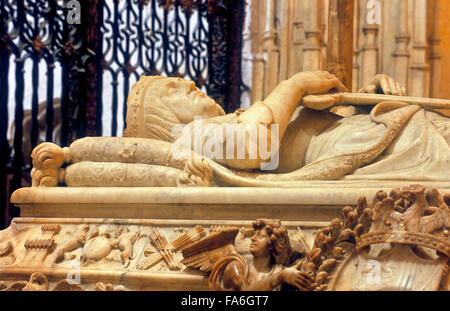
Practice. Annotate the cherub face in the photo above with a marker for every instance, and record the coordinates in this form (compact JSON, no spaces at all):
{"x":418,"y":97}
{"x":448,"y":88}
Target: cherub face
{"x":260,"y":243}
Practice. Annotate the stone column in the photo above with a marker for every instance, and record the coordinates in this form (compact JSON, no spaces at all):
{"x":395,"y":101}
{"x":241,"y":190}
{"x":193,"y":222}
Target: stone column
{"x":256,"y":35}
{"x":435,"y":56}
{"x":369,"y":54}
{"x":298,"y":36}
{"x":285,"y":29}
{"x":402,"y":39}
{"x":311,"y":49}
{"x":271,"y":51}
{"x":356,"y":67}
{"x":419,"y":68}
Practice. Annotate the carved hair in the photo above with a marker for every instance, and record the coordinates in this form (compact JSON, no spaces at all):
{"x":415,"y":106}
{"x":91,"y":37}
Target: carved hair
{"x":280,"y":246}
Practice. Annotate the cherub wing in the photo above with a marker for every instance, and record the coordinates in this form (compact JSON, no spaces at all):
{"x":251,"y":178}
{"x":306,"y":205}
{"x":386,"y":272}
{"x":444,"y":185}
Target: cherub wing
{"x":205,"y":253}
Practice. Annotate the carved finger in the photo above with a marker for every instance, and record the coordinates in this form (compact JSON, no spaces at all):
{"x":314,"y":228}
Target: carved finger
{"x":304,"y":278}
{"x":384,"y":83}
{"x":371,"y":89}
{"x":299,"y":281}
{"x":393,"y":86}
{"x":302,"y":283}
{"x":301,"y":286}
{"x":339,"y":85}
{"x":400,"y":89}
{"x":404,"y":91}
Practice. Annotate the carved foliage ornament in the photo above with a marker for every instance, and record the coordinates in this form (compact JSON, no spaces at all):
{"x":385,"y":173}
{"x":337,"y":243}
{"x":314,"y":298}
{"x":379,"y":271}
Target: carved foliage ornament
{"x":398,"y":241}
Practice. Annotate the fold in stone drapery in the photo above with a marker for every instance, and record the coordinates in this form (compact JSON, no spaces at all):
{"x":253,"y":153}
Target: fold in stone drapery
{"x":420,"y":152}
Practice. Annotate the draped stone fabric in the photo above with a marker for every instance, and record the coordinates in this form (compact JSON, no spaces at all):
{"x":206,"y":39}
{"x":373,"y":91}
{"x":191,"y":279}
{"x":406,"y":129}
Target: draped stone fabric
{"x":420,"y":152}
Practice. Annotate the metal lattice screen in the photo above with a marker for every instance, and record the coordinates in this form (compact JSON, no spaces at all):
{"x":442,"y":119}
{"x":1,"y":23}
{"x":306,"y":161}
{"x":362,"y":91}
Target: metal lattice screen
{"x":61,"y":80}
{"x":151,"y":39}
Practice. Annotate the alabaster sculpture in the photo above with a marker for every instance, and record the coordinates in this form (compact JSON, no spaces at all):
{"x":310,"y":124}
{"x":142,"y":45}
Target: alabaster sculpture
{"x":268,"y":269}
{"x":177,"y":136}
{"x":396,"y":241}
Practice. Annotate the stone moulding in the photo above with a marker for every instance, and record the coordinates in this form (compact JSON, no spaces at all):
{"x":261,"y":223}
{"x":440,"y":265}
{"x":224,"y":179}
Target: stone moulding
{"x":395,"y":241}
{"x":110,"y":270}
{"x":316,"y":201}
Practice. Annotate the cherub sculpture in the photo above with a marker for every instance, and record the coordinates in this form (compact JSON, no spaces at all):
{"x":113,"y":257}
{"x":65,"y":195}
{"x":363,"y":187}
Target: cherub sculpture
{"x":269,"y":268}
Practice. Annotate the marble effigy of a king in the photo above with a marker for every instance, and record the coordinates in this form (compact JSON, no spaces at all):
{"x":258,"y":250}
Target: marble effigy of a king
{"x":178,"y":136}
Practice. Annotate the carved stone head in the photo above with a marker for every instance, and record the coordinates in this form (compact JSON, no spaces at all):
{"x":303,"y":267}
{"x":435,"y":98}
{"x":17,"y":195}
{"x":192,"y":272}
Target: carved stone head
{"x":278,"y":244}
{"x":157,"y":104}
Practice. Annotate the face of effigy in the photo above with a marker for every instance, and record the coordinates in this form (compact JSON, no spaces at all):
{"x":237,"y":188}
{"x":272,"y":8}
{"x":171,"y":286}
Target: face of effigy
{"x":186,"y":100}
